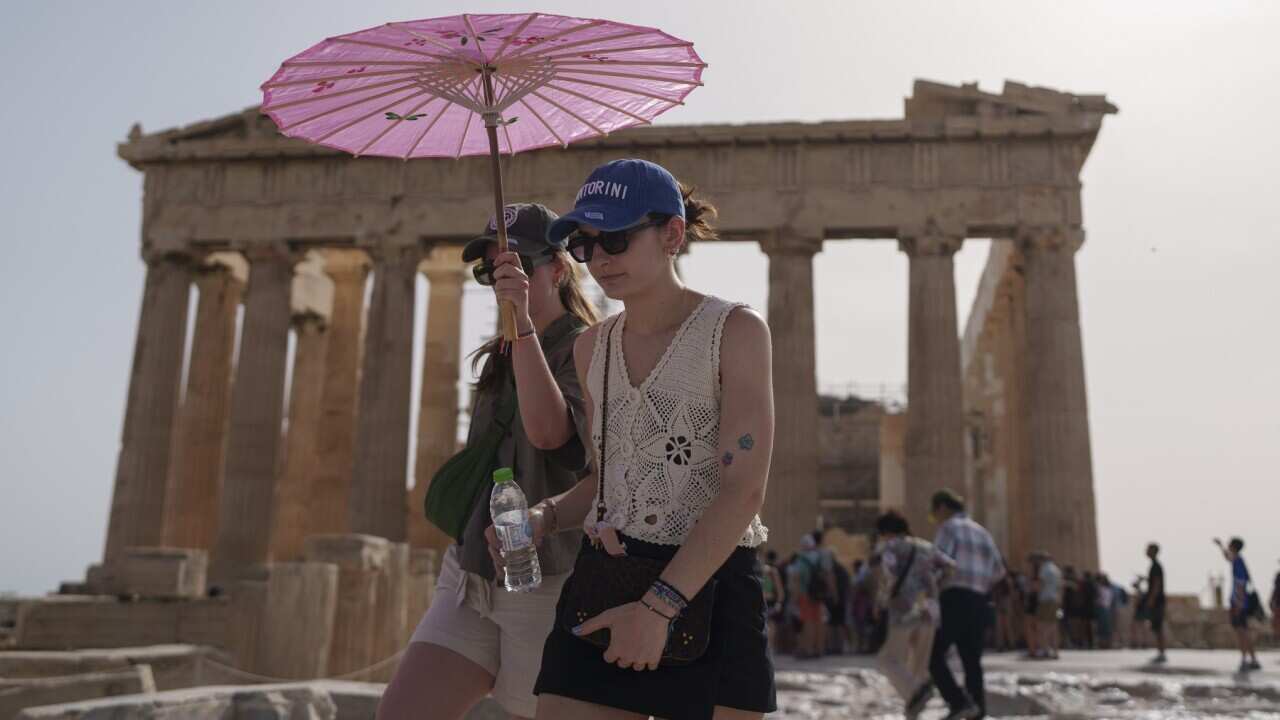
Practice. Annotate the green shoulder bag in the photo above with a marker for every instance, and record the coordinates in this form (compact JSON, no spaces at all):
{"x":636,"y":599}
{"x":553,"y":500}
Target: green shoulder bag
{"x":458,"y":483}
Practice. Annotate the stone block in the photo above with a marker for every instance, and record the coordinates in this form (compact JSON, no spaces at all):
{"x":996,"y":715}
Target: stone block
{"x":361,"y":561}
{"x":68,"y":622}
{"x":294,"y":701}
{"x":393,"y":609}
{"x":1182,"y":608}
{"x":33,"y":692}
{"x":172,"y":666}
{"x":162,"y":572}
{"x":283,"y":619}
{"x":422,"y":583}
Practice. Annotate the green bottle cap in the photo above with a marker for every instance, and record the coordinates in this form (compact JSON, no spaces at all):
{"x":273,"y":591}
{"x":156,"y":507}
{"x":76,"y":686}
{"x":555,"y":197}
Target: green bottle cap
{"x":502,"y":475}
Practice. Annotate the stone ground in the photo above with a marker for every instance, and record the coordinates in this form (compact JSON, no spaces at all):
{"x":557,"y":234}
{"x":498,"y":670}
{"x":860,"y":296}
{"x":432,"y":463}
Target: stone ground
{"x":1195,"y":684}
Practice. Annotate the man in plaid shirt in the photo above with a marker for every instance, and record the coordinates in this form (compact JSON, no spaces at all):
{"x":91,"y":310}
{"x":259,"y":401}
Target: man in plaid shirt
{"x":964,"y":600}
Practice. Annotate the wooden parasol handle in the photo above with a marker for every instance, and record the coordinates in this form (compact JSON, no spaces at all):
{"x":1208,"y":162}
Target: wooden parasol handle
{"x":506,"y":310}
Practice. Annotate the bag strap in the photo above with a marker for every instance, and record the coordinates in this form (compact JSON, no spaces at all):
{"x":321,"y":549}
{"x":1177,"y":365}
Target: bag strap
{"x":897,"y":584}
{"x":604,"y":424}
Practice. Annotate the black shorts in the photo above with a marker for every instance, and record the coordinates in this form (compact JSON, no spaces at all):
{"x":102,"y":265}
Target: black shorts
{"x":736,"y":671}
{"x":1155,"y":616}
{"x":1239,"y":618}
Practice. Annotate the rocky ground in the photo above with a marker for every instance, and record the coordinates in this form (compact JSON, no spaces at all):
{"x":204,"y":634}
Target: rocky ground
{"x":1195,"y":684}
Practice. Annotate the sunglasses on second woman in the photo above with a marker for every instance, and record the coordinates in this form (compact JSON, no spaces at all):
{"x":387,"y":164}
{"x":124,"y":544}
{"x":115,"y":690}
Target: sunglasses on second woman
{"x":483,"y":270}
{"x":615,"y":242}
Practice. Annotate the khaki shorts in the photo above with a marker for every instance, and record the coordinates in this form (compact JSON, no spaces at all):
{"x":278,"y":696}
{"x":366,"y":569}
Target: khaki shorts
{"x":1047,"y":611}
{"x":500,"y":631}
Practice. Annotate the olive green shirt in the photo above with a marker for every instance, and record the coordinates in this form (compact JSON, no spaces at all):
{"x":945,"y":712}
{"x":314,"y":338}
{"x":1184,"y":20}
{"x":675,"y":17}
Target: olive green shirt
{"x":539,"y":473}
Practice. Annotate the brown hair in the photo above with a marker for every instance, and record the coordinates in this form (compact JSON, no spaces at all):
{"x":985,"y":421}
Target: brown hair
{"x":698,"y":213}
{"x":492,"y":366}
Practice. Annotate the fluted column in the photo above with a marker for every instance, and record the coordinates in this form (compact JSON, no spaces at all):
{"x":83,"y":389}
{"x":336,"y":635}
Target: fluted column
{"x":138,"y":498}
{"x":290,"y":525}
{"x":312,"y":301}
{"x":335,"y":437}
{"x":257,"y":409}
{"x":1061,"y":489}
{"x":378,"y":495}
{"x":935,"y":405}
{"x":195,"y":475}
{"x":1011,"y":367}
{"x":438,"y":411}
{"x":791,"y":503}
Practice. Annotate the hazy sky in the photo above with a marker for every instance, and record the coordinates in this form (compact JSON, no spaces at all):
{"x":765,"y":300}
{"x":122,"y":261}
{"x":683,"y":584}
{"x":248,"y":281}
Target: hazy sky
{"x":1178,"y":277}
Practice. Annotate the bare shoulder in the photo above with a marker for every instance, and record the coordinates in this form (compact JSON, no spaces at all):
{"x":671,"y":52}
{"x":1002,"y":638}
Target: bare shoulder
{"x":745,"y":333}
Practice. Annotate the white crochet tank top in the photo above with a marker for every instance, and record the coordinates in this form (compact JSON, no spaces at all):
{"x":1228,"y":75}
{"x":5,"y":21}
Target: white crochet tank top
{"x":663,"y":466}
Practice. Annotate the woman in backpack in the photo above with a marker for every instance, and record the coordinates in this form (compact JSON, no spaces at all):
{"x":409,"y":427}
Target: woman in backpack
{"x":478,"y":639}
{"x":679,"y":390}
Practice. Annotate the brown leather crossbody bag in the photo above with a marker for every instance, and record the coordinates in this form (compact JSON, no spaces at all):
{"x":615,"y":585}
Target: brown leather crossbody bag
{"x":601,"y":581}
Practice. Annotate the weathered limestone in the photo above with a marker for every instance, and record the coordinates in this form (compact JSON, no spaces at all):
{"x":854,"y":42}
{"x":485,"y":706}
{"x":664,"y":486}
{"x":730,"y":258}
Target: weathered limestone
{"x":893,"y":475}
{"x":335,"y":439}
{"x":229,"y":702}
{"x":378,"y":483}
{"x":1061,"y":465}
{"x":257,"y":400}
{"x":162,"y":572}
{"x":283,"y":619}
{"x":393,"y":621}
{"x":172,"y":666}
{"x":199,"y":454}
{"x":422,"y":584}
{"x":138,"y":500}
{"x":791,"y":503}
{"x":934,"y":439}
{"x":362,"y":560}
{"x":312,"y":303}
{"x":16,"y":695}
{"x":64,"y":623}
{"x":438,"y":413}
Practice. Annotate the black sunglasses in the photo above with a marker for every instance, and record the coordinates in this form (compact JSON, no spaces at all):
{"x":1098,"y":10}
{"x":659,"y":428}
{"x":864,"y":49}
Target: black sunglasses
{"x":483,"y":270}
{"x":615,"y":242}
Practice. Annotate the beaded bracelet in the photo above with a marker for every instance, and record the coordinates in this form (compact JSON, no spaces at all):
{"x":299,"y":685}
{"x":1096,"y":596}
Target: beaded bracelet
{"x":669,"y":595}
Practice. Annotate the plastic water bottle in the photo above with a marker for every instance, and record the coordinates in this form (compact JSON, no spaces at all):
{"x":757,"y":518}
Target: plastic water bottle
{"x":510,"y":513}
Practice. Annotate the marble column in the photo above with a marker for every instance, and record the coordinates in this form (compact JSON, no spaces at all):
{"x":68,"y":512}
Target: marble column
{"x":935,"y":410}
{"x":293,"y":494}
{"x":438,"y":410}
{"x":791,"y":503}
{"x":142,"y":469}
{"x":195,"y":477}
{"x":1064,"y":520}
{"x":257,"y":410}
{"x":312,"y":302}
{"x":378,"y":481}
{"x":335,"y":437}
{"x":1009,"y":349}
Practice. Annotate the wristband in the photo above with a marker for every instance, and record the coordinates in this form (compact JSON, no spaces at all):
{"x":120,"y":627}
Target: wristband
{"x":669,"y":595}
{"x":552,"y":526}
{"x":656,"y":611}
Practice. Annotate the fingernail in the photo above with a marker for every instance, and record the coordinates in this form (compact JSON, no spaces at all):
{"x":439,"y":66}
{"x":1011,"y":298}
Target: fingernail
{"x":577,"y":630}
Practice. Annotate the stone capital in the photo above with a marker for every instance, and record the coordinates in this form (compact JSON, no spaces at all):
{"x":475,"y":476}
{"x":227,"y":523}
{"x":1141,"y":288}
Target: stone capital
{"x":443,"y":264}
{"x":785,"y":241}
{"x":1049,"y":237}
{"x":181,"y":258}
{"x":930,"y":245}
{"x":271,"y":251}
{"x":392,"y":253}
{"x":232,"y":263}
{"x":345,"y":265}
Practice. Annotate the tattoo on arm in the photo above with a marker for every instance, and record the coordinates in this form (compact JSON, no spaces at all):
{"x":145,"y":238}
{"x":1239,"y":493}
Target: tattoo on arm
{"x":727,"y":459}
{"x":746,"y":442}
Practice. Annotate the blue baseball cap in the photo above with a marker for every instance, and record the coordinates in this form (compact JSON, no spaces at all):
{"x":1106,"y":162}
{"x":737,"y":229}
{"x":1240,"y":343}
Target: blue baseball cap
{"x":619,"y":195}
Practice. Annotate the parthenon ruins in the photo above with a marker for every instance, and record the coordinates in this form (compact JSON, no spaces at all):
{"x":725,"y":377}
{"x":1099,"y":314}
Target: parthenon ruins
{"x":290,"y":233}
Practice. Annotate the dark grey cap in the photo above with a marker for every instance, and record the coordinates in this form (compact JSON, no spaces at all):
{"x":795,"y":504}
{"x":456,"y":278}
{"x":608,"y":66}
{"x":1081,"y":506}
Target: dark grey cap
{"x":527,"y":225}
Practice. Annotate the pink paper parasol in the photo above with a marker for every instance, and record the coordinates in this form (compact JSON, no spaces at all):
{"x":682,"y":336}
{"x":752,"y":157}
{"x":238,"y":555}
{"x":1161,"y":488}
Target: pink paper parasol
{"x":477,"y":84}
